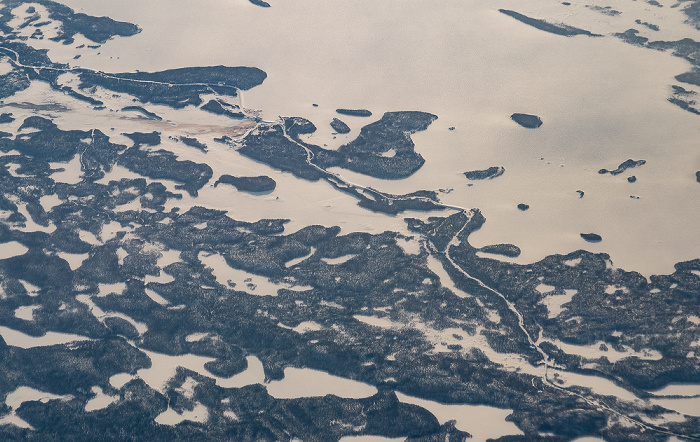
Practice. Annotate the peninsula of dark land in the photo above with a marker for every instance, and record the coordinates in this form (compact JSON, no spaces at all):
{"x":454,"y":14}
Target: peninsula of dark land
{"x":509,"y":250}
{"x":628,"y":164}
{"x":565,"y":30}
{"x":219,"y":107}
{"x":142,"y":111}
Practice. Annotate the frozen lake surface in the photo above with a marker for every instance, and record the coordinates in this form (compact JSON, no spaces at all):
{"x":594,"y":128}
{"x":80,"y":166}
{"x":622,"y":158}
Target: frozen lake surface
{"x":473,"y":77}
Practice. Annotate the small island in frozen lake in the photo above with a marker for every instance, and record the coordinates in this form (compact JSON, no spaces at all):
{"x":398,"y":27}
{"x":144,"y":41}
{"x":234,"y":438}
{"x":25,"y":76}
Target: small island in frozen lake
{"x":490,"y":173}
{"x":527,"y":120}
{"x":248,"y":184}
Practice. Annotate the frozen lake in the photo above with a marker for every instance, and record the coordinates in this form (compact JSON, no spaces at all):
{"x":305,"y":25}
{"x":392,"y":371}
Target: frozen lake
{"x":598,"y":98}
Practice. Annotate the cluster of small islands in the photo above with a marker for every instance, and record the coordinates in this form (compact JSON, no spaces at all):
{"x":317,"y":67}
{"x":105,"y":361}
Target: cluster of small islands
{"x":360,"y":306}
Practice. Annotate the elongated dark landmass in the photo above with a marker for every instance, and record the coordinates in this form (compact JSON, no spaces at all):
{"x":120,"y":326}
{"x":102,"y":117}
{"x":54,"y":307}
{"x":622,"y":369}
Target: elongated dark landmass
{"x":527,"y":120}
{"x":684,"y":98}
{"x":355,"y":112}
{"x":628,"y":164}
{"x":217,"y":107}
{"x":143,"y":111}
{"x":490,"y":173}
{"x":697,"y":176}
{"x":142,"y":138}
{"x":97,"y":29}
{"x":591,"y":237}
{"x":260,"y":3}
{"x":163,"y":164}
{"x":685,"y":104}
{"x":177,"y":87}
{"x":509,"y":250}
{"x":523,"y":207}
{"x":248,"y":183}
{"x":193,"y":142}
{"x":651,"y":26}
{"x":339,"y":126}
{"x":692,"y":11}
{"x":565,"y":30}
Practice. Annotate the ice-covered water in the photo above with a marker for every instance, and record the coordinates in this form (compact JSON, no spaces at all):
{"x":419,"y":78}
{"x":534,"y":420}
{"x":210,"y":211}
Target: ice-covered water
{"x":601,"y":100}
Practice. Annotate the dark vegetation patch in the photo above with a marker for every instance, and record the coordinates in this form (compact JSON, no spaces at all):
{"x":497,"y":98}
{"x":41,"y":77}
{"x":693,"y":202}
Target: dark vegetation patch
{"x":686,"y":48}
{"x":383,"y":149}
{"x":97,"y":29}
{"x":591,"y":237}
{"x":193,"y":142}
{"x":628,"y":164}
{"x":527,"y":120}
{"x":380,"y":280}
{"x":147,"y":139}
{"x":162,"y":164}
{"x":684,"y":99}
{"x":220,"y":107}
{"x":645,"y":308}
{"x":143,"y":111}
{"x":692,"y":11}
{"x":648,"y":25}
{"x":509,"y":250}
{"x":490,"y":173}
{"x":558,"y":29}
{"x":248,"y":184}
{"x":355,"y":112}
{"x":606,"y":10}
{"x":176,"y":87}
{"x":339,"y":126}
